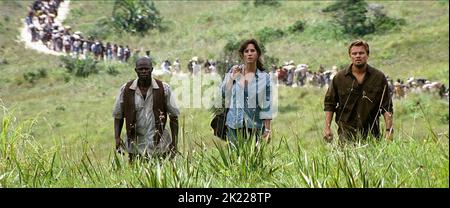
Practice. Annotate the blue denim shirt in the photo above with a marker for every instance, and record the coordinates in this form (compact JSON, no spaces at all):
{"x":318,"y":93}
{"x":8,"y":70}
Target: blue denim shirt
{"x":248,"y":106}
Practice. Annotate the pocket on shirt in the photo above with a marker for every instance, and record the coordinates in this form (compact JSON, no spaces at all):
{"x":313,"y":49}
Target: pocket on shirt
{"x":372,"y":96}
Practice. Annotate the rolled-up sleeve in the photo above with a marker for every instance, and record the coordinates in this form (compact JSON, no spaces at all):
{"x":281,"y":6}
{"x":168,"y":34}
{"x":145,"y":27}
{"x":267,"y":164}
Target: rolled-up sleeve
{"x":117,"y":109}
{"x":171,"y":104}
{"x":331,"y":99}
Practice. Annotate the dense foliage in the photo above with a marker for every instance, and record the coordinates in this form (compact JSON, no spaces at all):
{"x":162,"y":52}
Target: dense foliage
{"x":135,"y":16}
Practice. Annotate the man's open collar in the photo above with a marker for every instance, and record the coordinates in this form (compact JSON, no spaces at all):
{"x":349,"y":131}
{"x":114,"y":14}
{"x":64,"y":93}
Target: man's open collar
{"x":349,"y":70}
{"x":133,"y":86}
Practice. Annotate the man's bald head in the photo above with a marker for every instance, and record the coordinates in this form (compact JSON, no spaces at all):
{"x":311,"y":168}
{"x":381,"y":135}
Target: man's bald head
{"x":144,"y":62}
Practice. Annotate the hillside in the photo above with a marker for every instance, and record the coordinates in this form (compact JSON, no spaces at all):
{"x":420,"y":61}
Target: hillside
{"x":203,"y":29}
{"x":71,"y":114}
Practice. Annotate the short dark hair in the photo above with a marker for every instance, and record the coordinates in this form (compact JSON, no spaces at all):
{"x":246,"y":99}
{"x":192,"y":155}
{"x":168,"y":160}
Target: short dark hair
{"x":359,"y":43}
{"x":145,"y":60}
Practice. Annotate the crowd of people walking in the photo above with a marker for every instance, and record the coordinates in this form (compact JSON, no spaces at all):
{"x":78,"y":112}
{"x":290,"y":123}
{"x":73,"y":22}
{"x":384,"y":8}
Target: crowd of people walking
{"x":41,"y":24}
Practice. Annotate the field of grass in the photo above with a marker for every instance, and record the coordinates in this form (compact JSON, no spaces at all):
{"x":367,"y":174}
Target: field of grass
{"x":58,"y":130}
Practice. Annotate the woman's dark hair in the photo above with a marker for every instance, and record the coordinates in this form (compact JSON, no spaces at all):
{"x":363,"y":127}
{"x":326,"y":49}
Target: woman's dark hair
{"x":244,"y":45}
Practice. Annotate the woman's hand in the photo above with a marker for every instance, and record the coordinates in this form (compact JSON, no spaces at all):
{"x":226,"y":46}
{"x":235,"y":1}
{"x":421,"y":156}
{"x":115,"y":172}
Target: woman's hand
{"x":236,"y":71}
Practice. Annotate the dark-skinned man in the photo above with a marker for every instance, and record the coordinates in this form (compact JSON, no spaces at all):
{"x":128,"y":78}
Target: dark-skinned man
{"x":145,"y":104}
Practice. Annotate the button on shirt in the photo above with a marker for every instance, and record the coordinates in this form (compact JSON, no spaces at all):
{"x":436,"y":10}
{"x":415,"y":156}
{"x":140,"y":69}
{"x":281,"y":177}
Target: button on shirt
{"x":145,"y":122}
{"x":248,"y":106}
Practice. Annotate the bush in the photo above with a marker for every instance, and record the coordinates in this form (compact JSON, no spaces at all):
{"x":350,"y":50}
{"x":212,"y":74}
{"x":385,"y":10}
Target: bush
{"x":266,"y":3}
{"x":135,"y":16}
{"x":268,"y":34}
{"x":32,"y":76}
{"x":351,"y":15}
{"x":81,"y":68}
{"x":111,"y":70}
{"x":298,"y":26}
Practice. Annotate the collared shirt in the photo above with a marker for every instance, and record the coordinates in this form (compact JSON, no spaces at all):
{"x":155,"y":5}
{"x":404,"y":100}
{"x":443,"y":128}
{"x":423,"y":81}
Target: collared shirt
{"x":145,"y":122}
{"x":248,"y":106}
{"x":359,"y":105}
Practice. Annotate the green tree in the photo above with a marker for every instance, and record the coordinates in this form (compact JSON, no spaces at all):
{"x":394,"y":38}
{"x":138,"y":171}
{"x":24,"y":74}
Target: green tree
{"x":135,"y":16}
{"x":358,"y":18}
{"x":351,"y":15}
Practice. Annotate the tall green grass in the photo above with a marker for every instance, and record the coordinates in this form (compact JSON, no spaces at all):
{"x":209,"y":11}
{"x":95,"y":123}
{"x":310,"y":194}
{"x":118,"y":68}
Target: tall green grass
{"x":405,"y":162}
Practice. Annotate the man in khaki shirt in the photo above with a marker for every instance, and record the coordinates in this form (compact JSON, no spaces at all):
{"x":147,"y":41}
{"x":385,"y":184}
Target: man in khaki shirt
{"x":358,"y":96}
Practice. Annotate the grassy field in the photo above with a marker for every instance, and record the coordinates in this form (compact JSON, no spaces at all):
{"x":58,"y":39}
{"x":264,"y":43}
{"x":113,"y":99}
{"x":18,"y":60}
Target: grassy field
{"x":58,"y":130}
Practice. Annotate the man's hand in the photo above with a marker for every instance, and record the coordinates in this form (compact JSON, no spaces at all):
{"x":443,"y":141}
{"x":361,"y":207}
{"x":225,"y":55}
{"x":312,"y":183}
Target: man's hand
{"x":119,"y":143}
{"x":388,"y":134}
{"x":328,"y":135}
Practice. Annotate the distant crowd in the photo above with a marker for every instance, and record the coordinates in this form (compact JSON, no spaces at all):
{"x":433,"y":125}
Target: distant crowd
{"x":300,"y":75}
{"x":42,"y":26}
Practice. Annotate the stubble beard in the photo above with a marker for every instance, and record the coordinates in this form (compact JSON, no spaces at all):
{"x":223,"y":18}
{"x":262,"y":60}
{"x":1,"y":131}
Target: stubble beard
{"x":360,"y":66}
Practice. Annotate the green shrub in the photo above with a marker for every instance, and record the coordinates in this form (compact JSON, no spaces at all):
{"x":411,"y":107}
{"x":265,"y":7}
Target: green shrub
{"x":268,"y":34}
{"x":298,"y":26}
{"x":32,"y":76}
{"x":266,"y":3}
{"x":135,"y":16}
{"x":111,"y":70}
{"x":66,"y":78}
{"x":81,"y":68}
